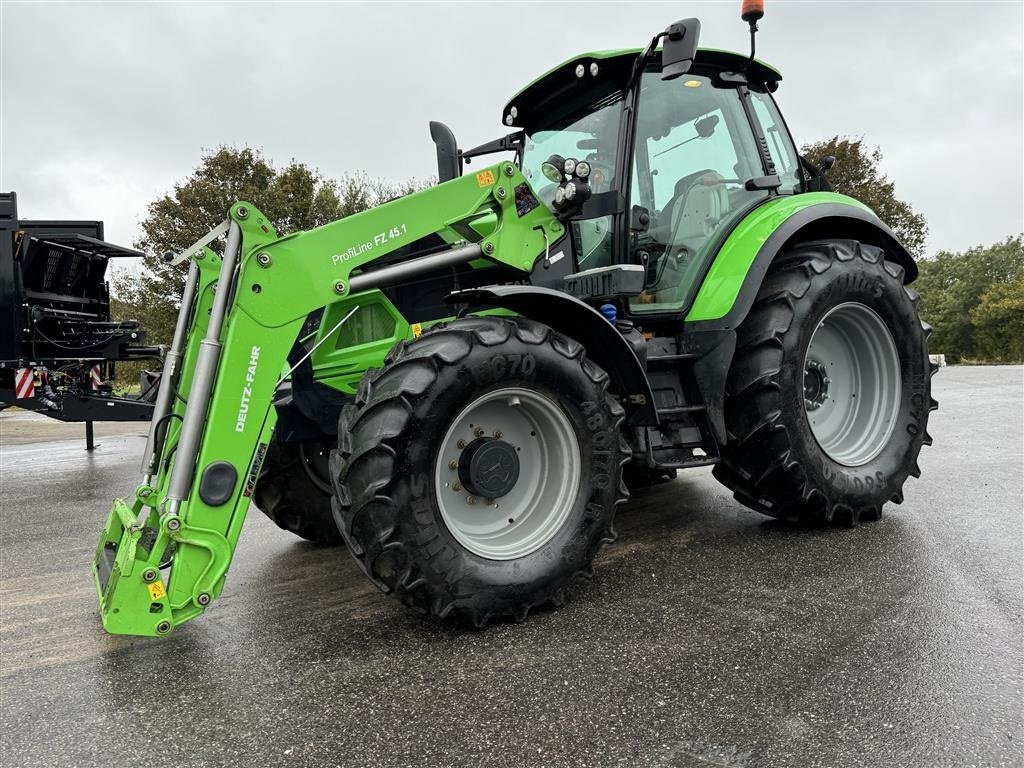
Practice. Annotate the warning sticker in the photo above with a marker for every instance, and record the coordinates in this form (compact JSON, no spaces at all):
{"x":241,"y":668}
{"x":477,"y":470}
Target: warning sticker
{"x":525,"y":201}
{"x":485,"y":178}
{"x":417,"y":330}
{"x":156,"y":590}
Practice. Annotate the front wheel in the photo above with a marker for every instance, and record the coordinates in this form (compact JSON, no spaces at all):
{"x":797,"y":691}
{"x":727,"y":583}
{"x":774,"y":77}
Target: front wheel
{"x":829,"y":391}
{"x":294,"y":490}
{"x":478,"y":471}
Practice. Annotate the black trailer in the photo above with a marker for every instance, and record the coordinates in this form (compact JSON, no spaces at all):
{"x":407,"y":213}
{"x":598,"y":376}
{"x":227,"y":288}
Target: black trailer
{"x":58,"y":345}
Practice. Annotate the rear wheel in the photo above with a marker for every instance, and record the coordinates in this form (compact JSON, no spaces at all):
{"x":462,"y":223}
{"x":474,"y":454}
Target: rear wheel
{"x":829,"y":391}
{"x":478,"y":471}
{"x":294,"y":490}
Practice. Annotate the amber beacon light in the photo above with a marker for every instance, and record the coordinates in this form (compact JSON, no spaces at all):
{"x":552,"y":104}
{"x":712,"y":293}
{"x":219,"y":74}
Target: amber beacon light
{"x":752,"y":11}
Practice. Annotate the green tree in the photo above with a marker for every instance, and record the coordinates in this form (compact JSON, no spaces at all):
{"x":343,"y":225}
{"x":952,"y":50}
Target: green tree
{"x":952,"y":287}
{"x":295,"y":197}
{"x":857,"y":173}
{"x":998,"y":322}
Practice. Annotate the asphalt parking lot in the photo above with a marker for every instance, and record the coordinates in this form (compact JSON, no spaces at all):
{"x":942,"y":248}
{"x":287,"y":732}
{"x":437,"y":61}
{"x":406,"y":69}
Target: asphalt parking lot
{"x":710,"y":636}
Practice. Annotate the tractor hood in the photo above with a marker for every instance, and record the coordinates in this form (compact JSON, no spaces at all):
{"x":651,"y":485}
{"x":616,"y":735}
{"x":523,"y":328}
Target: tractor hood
{"x":613,"y":67}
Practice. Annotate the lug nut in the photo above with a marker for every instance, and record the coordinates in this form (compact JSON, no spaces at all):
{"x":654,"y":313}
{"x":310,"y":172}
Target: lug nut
{"x":456,"y":487}
{"x":461,"y":444}
{"x":149,"y":575}
{"x":471,"y":500}
{"x":453,"y":464}
{"x":478,"y":432}
{"x":497,"y":433}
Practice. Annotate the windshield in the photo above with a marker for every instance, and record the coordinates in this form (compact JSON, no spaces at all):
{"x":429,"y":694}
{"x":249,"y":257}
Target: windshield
{"x":588,"y":133}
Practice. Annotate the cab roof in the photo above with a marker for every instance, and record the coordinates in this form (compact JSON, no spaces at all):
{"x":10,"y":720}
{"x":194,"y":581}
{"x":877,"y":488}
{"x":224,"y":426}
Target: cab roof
{"x":614,"y":66}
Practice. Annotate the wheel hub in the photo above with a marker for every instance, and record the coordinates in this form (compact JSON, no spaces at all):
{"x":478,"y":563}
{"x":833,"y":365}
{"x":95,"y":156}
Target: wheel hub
{"x":816,"y":384}
{"x":489,"y":467}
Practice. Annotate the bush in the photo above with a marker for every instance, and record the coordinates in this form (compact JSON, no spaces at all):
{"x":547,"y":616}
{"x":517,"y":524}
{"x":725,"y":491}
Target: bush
{"x":998,"y":322}
{"x":954,"y":287}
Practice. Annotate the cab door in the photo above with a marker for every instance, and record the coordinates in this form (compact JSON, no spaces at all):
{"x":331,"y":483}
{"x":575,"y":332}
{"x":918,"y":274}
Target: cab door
{"x":693,"y":153}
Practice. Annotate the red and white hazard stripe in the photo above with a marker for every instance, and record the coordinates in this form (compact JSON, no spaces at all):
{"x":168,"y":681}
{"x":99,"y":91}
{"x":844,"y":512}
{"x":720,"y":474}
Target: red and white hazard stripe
{"x":24,"y":383}
{"x":95,"y":377}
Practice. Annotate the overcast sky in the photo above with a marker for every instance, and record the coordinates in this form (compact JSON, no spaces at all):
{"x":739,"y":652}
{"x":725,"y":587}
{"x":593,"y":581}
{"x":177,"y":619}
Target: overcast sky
{"x":105,"y":105}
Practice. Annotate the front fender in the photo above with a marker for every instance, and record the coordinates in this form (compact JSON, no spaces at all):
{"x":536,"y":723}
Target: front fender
{"x":568,"y":315}
{"x":734,"y":277}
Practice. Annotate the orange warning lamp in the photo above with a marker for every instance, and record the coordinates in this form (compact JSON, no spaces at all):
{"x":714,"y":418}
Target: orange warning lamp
{"x":752,"y":11}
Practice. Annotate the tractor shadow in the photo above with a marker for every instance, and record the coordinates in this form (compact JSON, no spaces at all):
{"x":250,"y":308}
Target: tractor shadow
{"x":686,"y":531}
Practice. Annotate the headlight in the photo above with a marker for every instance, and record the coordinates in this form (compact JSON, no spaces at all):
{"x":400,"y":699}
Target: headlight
{"x":582,"y":169}
{"x":552,"y":169}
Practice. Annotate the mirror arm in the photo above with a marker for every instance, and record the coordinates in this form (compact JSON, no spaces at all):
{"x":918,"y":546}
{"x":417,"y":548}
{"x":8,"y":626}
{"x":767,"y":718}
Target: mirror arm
{"x":512,"y":142}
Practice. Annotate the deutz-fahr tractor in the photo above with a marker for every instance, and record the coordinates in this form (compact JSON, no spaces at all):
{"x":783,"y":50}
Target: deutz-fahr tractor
{"x":461,"y":384}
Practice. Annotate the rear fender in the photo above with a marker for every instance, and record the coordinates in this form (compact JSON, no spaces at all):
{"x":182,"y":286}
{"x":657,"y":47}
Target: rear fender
{"x":735,"y":276}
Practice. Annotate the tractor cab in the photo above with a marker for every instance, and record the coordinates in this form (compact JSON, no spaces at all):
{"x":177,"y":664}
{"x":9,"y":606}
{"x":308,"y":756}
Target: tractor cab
{"x":668,"y":165}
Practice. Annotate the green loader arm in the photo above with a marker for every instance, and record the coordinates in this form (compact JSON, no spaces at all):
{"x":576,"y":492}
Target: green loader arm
{"x":164,"y":555}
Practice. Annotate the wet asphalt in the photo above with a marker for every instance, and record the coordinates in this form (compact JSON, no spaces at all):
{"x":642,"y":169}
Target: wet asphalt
{"x":710,"y":636}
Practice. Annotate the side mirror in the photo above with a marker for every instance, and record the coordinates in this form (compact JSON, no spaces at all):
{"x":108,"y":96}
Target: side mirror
{"x":679,"y":48}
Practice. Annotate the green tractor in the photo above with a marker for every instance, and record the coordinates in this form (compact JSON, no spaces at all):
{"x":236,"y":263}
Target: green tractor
{"x":461,"y":384}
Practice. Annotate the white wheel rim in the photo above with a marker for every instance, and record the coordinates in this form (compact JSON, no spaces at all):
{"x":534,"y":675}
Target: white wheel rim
{"x":852,"y":384}
{"x":550,"y":468}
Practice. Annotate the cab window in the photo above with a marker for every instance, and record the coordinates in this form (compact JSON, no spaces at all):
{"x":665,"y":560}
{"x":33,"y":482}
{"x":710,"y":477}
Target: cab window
{"x":587,"y":132}
{"x":694,"y":152}
{"x":779,"y":143}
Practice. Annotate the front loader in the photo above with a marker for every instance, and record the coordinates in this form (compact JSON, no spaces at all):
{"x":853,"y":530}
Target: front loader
{"x":458,"y":384}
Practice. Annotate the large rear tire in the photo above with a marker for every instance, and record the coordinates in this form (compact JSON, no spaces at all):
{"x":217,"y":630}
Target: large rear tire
{"x":829,"y":391}
{"x":294,"y":490}
{"x":478,"y":471}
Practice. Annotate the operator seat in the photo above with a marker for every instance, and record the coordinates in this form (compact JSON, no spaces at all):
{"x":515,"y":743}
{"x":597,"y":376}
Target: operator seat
{"x":700,"y":202}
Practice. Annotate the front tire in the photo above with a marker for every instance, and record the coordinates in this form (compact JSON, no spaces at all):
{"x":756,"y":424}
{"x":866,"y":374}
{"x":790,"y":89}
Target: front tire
{"x":294,"y":490}
{"x":832,"y":322}
{"x":478,"y":471}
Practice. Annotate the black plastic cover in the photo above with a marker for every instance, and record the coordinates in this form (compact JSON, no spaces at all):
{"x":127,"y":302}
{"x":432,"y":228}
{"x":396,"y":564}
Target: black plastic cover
{"x":218,"y":483}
